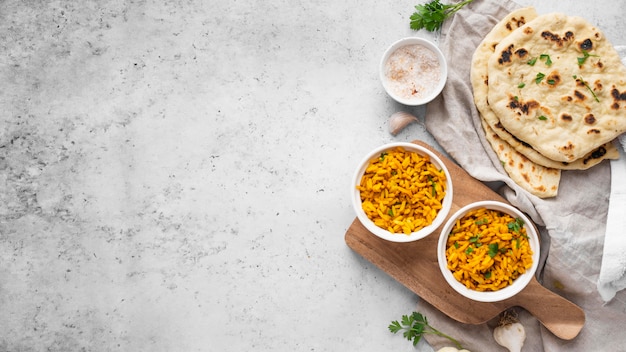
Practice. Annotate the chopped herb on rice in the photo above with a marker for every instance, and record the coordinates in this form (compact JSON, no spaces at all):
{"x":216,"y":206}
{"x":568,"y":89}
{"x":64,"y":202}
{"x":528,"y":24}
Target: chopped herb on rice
{"x":488,"y":249}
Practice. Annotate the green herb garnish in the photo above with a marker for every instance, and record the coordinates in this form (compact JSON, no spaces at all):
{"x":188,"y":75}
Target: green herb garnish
{"x":430,"y":16}
{"x":589,"y":88}
{"x":542,"y":118}
{"x":474,"y":239}
{"x":493,"y":250}
{"x":433,"y":186}
{"x":547,"y":58}
{"x":539,"y":77}
{"x":551,"y":82}
{"x":521,"y":85}
{"x":586,"y":55}
{"x":516,"y":226}
{"x":383,"y":155}
{"x":414,"y":326}
{"x":488,"y":275}
{"x":469,"y":250}
{"x":482,"y":221}
{"x":532,"y":61}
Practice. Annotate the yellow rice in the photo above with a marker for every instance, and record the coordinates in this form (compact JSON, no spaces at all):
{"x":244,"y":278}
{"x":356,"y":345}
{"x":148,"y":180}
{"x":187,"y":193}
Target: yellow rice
{"x":488,"y":249}
{"x":402,"y":191}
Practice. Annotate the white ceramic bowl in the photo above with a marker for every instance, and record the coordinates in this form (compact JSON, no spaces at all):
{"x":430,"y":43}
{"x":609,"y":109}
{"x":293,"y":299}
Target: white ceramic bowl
{"x":436,"y":87}
{"x":400,"y":237}
{"x":518,"y":284}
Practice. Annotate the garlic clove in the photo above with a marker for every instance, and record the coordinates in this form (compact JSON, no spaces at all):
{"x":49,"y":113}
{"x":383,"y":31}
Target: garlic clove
{"x":510,"y":333}
{"x":451,"y":349}
{"x":399,"y":120}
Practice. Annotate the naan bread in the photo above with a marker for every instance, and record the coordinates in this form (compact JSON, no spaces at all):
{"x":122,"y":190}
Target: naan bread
{"x":536,"y":179}
{"x":596,"y":156}
{"x":558,"y":115}
{"x":479,"y":79}
{"x":541,"y":181}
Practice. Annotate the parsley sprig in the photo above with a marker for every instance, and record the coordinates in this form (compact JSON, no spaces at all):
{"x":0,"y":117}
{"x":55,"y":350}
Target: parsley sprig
{"x":414,"y":326}
{"x":542,"y":57}
{"x":539,"y":77}
{"x":586,"y":55}
{"x":430,"y":16}
{"x":493,"y":250}
{"x":578,"y":78}
{"x":547,"y":59}
{"x":516,"y":226}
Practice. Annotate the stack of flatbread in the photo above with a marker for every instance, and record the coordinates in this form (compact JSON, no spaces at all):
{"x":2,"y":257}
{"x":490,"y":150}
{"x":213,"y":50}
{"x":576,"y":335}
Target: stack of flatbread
{"x":551,"y":93}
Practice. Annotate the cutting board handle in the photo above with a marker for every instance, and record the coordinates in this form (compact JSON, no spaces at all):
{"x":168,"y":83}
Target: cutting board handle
{"x":562,"y":317}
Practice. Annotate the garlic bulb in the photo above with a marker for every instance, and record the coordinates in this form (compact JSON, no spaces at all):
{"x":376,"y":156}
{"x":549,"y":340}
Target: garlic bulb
{"x":399,"y":120}
{"x":510,"y":333}
{"x":451,"y":349}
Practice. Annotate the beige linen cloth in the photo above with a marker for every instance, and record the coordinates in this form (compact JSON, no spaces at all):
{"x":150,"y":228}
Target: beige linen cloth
{"x":572,"y":225}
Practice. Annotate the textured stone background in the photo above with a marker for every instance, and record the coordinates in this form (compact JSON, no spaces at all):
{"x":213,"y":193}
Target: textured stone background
{"x":174,"y":175}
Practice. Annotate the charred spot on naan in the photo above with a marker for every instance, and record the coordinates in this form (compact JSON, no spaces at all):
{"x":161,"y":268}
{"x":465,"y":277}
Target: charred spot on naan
{"x":505,"y":55}
{"x":597,"y":85}
{"x":515,"y":22}
{"x":525,"y":107}
{"x":586,"y":45}
{"x":579,"y":95}
{"x":521,"y":53}
{"x":499,"y":125}
{"x":617,"y":98}
{"x":542,"y":188}
{"x":567,"y":150}
{"x":590,"y":120}
{"x":596,"y":154}
{"x":557,"y":39}
{"x":508,"y":54}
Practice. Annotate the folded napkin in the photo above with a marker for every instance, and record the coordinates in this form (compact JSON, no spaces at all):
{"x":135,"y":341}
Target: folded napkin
{"x":572,"y":225}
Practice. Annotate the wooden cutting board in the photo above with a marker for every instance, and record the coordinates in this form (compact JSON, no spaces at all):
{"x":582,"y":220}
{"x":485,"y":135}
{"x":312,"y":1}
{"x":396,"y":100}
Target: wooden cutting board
{"x":414,"y":265}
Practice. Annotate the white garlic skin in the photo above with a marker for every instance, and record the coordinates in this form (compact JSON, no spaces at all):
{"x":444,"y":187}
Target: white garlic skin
{"x":511,"y":336}
{"x":399,"y":120}
{"x":451,"y":349}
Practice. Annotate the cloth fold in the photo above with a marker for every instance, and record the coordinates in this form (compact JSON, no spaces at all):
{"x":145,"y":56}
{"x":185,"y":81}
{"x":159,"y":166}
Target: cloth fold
{"x":572,"y":225}
{"x":613,"y":270}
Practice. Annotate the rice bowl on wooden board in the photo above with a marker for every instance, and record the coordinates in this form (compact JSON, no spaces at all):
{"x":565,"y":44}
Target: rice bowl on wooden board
{"x":516,"y":285}
{"x":418,"y":196}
